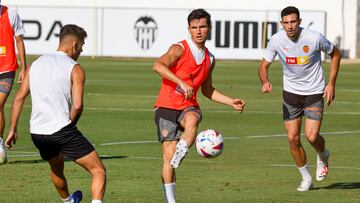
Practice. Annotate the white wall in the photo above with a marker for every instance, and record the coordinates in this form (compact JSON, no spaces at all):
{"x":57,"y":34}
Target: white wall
{"x":338,"y":23}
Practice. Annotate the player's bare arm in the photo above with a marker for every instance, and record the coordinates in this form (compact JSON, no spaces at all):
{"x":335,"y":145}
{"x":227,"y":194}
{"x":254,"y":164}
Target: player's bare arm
{"x":210,"y":92}
{"x":77,"y":93}
{"x":264,"y":76}
{"x":16,"y":109}
{"x":329,"y":91}
{"x":161,"y":66}
{"x":21,"y":51}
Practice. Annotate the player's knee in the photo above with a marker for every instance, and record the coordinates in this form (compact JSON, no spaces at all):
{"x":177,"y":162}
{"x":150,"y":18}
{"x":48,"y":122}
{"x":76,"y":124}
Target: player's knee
{"x":99,"y":172}
{"x":192,"y":120}
{"x":167,"y":158}
{"x":312,"y":138}
{"x":294,"y":139}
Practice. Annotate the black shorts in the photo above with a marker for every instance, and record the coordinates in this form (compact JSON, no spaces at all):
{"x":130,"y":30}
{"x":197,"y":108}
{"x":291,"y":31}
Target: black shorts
{"x":69,"y":141}
{"x":168,"y":122}
{"x":295,"y":106}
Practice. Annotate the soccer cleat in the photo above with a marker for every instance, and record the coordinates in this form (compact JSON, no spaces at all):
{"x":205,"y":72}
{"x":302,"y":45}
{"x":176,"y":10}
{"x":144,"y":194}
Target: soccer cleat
{"x":3,"y":158}
{"x":305,"y":185}
{"x":322,"y":168}
{"x":77,"y":196}
{"x":181,"y":151}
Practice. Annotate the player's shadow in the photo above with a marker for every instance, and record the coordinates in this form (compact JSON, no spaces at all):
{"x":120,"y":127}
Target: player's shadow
{"x":112,"y":157}
{"x":43,"y":161}
{"x":346,"y":185}
{"x":27,"y":161}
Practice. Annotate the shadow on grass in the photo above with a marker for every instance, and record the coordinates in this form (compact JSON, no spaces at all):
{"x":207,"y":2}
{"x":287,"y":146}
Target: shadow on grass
{"x":348,"y":185}
{"x":112,"y":157}
{"x":27,"y":162}
{"x":43,"y":161}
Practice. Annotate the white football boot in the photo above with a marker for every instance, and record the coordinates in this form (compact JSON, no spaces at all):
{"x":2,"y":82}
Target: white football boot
{"x":322,"y":168}
{"x":181,"y":151}
{"x":305,"y":185}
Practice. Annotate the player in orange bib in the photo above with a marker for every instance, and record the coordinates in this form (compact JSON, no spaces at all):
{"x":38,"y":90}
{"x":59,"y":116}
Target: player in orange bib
{"x":11,"y":31}
{"x":185,"y":68}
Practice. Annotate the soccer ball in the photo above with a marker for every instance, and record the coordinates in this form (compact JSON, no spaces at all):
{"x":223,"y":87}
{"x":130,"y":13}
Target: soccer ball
{"x":209,"y":143}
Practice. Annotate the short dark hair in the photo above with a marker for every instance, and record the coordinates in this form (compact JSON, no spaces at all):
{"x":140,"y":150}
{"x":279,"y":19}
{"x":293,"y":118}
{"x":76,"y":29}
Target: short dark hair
{"x":290,"y":10}
{"x":71,"y":29}
{"x":199,"y":13}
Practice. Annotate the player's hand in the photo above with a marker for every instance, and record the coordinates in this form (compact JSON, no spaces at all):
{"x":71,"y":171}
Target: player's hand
{"x":329,"y":94}
{"x":238,"y":104}
{"x":266,"y":87}
{"x":187,"y":89}
{"x":21,"y":76}
{"x":11,"y":139}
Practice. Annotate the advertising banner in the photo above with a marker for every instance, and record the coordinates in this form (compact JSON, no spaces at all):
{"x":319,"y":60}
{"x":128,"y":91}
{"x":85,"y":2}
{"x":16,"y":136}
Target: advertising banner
{"x":126,"y":32}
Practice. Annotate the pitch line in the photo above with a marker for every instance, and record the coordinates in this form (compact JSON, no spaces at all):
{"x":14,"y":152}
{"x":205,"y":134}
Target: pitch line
{"x":204,"y":110}
{"x":335,"y":167}
{"x":207,"y":110}
{"x":128,"y":142}
{"x":284,"y":135}
{"x":130,"y":157}
{"x":227,"y":138}
{"x":150,"y":141}
{"x":192,"y":160}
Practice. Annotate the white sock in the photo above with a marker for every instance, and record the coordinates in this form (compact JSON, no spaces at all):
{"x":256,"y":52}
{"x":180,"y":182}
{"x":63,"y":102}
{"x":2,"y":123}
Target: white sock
{"x":1,"y":144}
{"x":68,"y":199}
{"x":96,"y":201}
{"x":305,"y":173}
{"x":169,"y":192}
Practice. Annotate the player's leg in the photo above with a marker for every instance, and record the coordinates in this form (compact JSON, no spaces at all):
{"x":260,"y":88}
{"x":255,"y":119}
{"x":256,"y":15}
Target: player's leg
{"x":189,"y":120}
{"x":59,"y":181}
{"x":93,"y":164}
{"x":57,"y":175}
{"x":168,"y":134}
{"x":312,"y":130}
{"x":5,"y":88}
{"x":51,"y":153}
{"x":168,"y":172}
{"x":77,"y":148}
{"x":314,"y":112}
{"x":3,"y":158}
{"x":293,"y":128}
{"x":292,"y":113}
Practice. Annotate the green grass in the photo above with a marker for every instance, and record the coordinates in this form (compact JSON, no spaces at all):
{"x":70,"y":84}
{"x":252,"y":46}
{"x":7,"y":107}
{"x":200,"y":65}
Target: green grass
{"x":119,"y":99}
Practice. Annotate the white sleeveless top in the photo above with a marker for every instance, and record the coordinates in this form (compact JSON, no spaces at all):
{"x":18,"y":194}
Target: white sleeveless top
{"x":50,"y":89}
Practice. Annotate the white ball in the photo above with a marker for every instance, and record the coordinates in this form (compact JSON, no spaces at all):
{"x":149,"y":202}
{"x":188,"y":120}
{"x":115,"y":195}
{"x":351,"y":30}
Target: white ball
{"x":209,"y":143}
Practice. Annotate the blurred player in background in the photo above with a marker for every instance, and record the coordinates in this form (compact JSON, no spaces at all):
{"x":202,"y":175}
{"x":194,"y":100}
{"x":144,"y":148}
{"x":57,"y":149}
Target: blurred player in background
{"x":11,"y":31}
{"x":299,"y":50}
{"x":56,"y":84}
{"x":184,"y":68}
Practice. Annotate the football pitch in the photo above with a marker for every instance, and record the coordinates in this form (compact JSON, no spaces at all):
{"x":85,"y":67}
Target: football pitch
{"x":255,"y":165}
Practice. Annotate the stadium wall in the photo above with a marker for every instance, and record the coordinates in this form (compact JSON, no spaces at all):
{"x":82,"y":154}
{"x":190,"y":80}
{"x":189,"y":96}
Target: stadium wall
{"x":146,"y":28}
